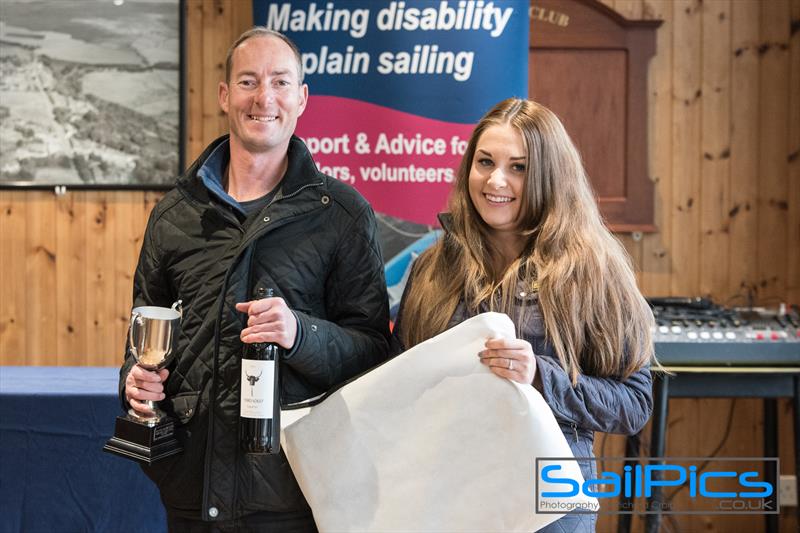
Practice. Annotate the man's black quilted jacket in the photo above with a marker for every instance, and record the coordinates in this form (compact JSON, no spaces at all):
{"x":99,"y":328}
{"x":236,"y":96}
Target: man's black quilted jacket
{"x":315,"y":245}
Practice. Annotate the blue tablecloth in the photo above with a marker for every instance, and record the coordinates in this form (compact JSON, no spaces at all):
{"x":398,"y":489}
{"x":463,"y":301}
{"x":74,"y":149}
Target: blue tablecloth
{"x":54,"y":475}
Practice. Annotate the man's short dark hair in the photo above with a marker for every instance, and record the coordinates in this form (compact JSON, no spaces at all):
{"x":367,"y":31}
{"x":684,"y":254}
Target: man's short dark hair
{"x":261,"y":31}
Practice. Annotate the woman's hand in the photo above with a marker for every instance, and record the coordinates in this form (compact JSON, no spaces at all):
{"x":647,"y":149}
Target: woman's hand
{"x":511,"y":359}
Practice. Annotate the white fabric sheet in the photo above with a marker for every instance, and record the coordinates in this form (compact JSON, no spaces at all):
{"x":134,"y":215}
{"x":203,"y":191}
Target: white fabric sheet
{"x":429,"y":441}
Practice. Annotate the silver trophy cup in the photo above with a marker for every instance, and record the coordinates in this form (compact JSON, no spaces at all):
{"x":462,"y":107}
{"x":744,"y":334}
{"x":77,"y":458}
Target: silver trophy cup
{"x":152,"y":334}
{"x":149,"y":437}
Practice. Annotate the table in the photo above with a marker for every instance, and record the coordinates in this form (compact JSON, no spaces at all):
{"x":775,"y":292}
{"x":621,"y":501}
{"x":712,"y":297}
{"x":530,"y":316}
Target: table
{"x":54,"y":476}
{"x":768,"y":383}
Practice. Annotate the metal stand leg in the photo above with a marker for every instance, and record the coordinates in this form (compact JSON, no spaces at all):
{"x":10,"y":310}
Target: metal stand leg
{"x":771,"y":450}
{"x":632,"y":445}
{"x":796,"y":405}
{"x":658,"y":444}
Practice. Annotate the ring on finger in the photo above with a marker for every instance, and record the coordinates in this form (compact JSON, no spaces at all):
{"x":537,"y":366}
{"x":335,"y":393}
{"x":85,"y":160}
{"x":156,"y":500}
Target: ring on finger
{"x":510,"y":364}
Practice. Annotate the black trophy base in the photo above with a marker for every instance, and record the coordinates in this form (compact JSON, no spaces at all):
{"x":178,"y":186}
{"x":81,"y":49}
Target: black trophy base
{"x":144,"y":443}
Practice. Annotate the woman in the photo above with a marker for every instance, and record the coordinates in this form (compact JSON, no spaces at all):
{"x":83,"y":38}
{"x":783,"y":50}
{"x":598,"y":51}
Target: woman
{"x":524,"y":237}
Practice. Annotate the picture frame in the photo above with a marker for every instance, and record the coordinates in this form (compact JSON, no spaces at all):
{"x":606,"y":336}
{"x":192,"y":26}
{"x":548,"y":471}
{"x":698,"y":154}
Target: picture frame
{"x":92,"y":94}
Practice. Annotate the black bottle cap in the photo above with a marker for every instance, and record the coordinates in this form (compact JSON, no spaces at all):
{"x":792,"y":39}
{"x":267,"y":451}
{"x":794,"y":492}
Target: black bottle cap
{"x":264,"y":292}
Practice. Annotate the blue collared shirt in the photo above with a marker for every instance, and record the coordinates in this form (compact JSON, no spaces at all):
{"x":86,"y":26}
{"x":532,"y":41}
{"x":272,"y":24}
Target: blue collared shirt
{"x":213,"y":171}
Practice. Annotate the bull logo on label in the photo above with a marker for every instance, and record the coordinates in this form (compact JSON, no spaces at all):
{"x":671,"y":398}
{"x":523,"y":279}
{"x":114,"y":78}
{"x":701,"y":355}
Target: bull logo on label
{"x":252,"y":380}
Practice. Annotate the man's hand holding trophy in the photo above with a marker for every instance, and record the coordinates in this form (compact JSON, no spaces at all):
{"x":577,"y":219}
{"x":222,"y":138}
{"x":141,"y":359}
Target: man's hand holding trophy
{"x":149,"y":436}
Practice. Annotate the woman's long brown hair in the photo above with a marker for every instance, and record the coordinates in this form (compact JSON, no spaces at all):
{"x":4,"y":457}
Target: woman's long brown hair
{"x":595,"y":317}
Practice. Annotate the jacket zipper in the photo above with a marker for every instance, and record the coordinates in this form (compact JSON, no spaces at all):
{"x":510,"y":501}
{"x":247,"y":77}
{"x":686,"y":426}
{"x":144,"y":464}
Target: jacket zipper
{"x":295,"y":193}
{"x":258,"y":233}
{"x":212,"y":403}
{"x":239,"y":453}
{"x":575,"y":429}
{"x":250,"y":282}
{"x":215,"y":373}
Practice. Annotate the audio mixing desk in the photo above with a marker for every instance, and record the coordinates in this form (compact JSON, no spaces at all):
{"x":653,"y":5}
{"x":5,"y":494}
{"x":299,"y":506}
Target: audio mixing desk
{"x":696,"y":332}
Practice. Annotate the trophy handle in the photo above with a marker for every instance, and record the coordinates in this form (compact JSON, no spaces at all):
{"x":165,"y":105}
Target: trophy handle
{"x":178,"y":306}
{"x":136,"y":318}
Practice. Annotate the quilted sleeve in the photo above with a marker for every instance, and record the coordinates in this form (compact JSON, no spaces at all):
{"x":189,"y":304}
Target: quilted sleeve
{"x":149,"y":288}
{"x":355,"y":336}
{"x":609,"y":405}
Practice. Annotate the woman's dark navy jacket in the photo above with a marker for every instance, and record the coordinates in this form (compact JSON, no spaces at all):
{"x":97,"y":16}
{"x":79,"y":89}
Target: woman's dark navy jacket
{"x":315,"y":245}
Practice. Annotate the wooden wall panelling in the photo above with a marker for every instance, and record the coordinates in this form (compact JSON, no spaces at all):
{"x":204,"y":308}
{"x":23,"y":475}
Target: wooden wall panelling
{"x":70,"y":223}
{"x":7,"y":310}
{"x":793,"y":158}
{"x":39,"y":263}
{"x":743,"y":207}
{"x":194,"y":80}
{"x":746,"y":439}
{"x":686,"y":79}
{"x":666,"y":257}
{"x":242,"y":18}
{"x":127,"y":232}
{"x":773,"y":150}
{"x":41,"y":306}
{"x":684,"y":437}
{"x":788,"y":518}
{"x":631,"y":9}
{"x":656,"y":250}
{"x":212,"y":26}
{"x":216,"y":35}
{"x":608,"y":445}
{"x":656,"y":259}
{"x":715,"y":148}
{"x":634,"y":249}
{"x":101,"y":217}
{"x":686,"y":132}
{"x":15,"y":294}
{"x":726,"y":428}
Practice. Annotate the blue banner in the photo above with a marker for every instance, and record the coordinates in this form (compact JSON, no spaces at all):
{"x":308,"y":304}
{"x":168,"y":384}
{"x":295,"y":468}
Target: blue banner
{"x":408,"y":79}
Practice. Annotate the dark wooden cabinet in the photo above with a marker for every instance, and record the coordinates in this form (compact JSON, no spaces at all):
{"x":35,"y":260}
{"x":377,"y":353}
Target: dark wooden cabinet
{"x":589,"y":65}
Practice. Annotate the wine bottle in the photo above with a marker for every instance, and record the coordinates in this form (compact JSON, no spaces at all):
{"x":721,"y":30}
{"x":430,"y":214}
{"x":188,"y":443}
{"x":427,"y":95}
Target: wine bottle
{"x":259,"y":394}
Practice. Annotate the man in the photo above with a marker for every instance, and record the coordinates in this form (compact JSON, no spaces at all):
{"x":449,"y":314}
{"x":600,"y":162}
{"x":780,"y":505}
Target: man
{"x":253,"y":211}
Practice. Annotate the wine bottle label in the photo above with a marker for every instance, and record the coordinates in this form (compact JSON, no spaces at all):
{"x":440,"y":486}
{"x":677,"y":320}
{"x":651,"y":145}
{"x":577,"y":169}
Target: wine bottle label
{"x":257,"y":388}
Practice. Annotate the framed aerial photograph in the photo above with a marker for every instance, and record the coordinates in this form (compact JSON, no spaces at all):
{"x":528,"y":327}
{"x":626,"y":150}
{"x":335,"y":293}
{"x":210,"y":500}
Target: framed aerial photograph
{"x":91,"y":93}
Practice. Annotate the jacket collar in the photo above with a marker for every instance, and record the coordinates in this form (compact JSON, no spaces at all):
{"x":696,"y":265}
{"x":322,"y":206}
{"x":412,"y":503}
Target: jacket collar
{"x":300,"y":172}
{"x":446,"y":221}
{"x":212,"y":174}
